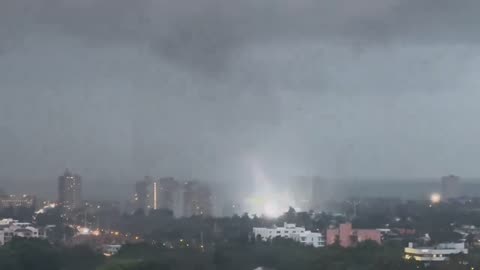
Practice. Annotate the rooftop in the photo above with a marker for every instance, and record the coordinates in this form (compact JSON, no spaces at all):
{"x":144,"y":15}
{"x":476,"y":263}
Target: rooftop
{"x":439,"y":246}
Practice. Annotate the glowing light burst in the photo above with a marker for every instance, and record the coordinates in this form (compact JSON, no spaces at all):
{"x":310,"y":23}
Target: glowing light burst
{"x":435,"y":198}
{"x":271,"y":209}
{"x":267,"y":199}
{"x":83,"y":230}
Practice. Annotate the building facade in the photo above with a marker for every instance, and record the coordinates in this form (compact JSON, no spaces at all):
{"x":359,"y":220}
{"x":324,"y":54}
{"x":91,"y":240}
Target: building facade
{"x":10,"y":228}
{"x":18,"y":201}
{"x":162,"y":193}
{"x":142,"y":194}
{"x":183,"y":199}
{"x":269,"y":233}
{"x":197,"y":199}
{"x":290,"y":231}
{"x":309,"y":238}
{"x":169,"y":194}
{"x":70,"y":191}
{"x":438,"y":253}
{"x":346,"y":236}
{"x":110,"y":250}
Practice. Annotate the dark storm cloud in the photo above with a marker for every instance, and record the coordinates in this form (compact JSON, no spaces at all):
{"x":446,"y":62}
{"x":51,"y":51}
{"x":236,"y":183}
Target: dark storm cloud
{"x":202,"y":33}
{"x":116,"y":89}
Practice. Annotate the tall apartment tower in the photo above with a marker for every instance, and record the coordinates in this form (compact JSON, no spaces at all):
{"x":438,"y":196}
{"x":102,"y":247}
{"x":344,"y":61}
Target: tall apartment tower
{"x":162,"y":193}
{"x":197,"y":199}
{"x":142,"y":194}
{"x":70,"y":191}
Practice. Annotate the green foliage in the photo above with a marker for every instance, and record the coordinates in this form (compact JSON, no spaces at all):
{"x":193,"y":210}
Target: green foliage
{"x":21,"y":254}
{"x":444,"y":236}
{"x":279,"y":254}
{"x":204,"y":243}
{"x":35,"y":254}
{"x":80,"y":258}
{"x":374,"y":220}
{"x":135,"y":265}
{"x":220,"y":259}
{"x":140,"y":251}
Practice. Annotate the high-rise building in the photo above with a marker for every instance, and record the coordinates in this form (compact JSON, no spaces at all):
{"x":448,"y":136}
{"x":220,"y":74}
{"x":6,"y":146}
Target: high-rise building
{"x":142,"y":194}
{"x":451,"y":187}
{"x":70,"y":190}
{"x":168,"y":194}
{"x":191,"y":198}
{"x":163,"y":193}
{"x":197,"y":199}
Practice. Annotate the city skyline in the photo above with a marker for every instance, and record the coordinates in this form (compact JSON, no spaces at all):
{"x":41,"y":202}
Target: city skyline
{"x":95,"y":189}
{"x":186,"y":197}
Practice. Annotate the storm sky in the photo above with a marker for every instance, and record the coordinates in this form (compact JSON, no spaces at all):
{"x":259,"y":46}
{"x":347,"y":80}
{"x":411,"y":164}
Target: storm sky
{"x":119,"y":89}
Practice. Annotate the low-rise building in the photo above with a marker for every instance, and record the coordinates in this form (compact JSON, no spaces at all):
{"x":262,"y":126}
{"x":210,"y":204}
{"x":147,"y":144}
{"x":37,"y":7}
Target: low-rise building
{"x":309,"y":238}
{"x":270,"y":233}
{"x":346,"y":236}
{"x":10,"y":228}
{"x":437,"y":253}
{"x":291,"y":231}
{"x":109,"y":250}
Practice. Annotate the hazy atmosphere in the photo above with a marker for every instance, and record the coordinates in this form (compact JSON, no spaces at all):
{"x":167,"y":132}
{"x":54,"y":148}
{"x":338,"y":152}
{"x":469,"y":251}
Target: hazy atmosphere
{"x":212,"y":89}
{"x":239,"y":135}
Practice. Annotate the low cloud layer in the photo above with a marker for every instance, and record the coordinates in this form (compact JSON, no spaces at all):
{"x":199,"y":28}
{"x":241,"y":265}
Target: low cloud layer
{"x":203,"y":33}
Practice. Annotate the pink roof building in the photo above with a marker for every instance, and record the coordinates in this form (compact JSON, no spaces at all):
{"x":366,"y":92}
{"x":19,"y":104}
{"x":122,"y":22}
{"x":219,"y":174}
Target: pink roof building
{"x":347,"y":237}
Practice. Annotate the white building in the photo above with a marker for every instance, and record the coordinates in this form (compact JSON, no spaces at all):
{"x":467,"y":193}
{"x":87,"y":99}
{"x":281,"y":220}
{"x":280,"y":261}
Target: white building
{"x":309,"y":238}
{"x":10,"y":228}
{"x":285,"y":231}
{"x":437,"y":253}
{"x":291,"y":231}
{"x":109,"y":250}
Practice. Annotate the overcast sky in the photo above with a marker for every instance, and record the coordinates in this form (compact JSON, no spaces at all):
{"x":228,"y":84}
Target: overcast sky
{"x":119,"y":89}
